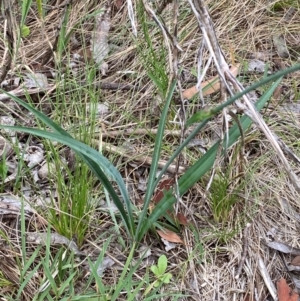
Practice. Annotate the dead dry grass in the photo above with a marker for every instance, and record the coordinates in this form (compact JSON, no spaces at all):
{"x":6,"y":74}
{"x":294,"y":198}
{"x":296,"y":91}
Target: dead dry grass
{"x":244,"y":30}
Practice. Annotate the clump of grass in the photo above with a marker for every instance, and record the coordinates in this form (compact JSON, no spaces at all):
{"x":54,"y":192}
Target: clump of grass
{"x":106,"y":172}
{"x":222,"y":197}
{"x":70,"y":215}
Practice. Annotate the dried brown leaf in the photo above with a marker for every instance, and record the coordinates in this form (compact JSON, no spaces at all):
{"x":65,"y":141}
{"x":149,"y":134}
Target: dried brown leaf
{"x":118,"y":4}
{"x":170,"y":236}
{"x":214,"y":85}
{"x":296,"y":261}
{"x":280,"y":45}
{"x":99,"y":42}
{"x":163,"y":185}
{"x":284,"y":291}
{"x":182,"y":219}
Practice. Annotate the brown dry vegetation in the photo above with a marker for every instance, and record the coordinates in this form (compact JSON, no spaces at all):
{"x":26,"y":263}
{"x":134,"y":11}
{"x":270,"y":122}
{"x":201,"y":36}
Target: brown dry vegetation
{"x":205,"y":267}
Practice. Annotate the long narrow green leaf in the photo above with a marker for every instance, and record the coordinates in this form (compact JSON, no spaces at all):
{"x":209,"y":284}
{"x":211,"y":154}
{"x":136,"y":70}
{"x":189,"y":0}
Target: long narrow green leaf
{"x":39,"y":8}
{"x":90,"y":162}
{"x":271,"y":78}
{"x":95,"y":160}
{"x":25,"y":9}
{"x":219,"y":108}
{"x":155,"y":157}
{"x":195,"y":172}
{"x":180,"y":148}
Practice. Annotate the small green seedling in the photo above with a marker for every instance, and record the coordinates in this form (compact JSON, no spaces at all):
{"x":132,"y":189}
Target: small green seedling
{"x":25,"y":31}
{"x":160,"y":271}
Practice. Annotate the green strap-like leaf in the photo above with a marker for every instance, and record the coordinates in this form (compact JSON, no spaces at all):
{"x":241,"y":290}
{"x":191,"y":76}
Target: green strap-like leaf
{"x":195,"y":172}
{"x":108,"y":167}
{"x":39,"y":8}
{"x":93,"y":158}
{"x":155,"y":157}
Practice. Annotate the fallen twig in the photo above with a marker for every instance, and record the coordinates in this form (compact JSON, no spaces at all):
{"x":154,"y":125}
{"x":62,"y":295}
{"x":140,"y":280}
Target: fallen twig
{"x":141,"y":159}
{"x":7,"y":58}
{"x":128,"y":132}
{"x":267,"y":279}
{"x":245,"y":250}
{"x":21,"y":91}
{"x":24,"y":91}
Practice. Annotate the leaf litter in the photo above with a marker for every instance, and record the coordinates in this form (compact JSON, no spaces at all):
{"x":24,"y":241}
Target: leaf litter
{"x":284,"y":292}
{"x":262,"y":207}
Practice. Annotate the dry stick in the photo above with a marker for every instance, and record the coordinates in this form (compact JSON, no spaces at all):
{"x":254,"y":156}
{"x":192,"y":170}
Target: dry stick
{"x":142,"y":159}
{"x":166,"y":34}
{"x":224,"y":73}
{"x":251,"y":112}
{"x":210,"y":38}
{"x":7,"y":58}
{"x":266,"y":277}
{"x":129,"y":132}
{"x":287,"y":150}
{"x":21,"y":91}
{"x":245,"y":250}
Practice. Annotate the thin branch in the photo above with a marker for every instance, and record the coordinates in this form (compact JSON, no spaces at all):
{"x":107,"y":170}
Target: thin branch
{"x":7,"y":58}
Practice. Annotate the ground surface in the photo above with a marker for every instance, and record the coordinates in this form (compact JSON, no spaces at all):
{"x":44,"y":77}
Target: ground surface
{"x":264,"y":204}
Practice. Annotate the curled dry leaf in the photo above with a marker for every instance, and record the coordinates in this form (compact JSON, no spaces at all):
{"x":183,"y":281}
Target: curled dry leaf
{"x":282,"y":247}
{"x":296,"y":261}
{"x":284,"y":291}
{"x":295,"y":264}
{"x":46,"y":170}
{"x":213,"y":83}
{"x":256,"y":65}
{"x":99,"y":42}
{"x":170,"y":236}
{"x":41,"y":238}
{"x":144,"y":251}
{"x":182,"y":219}
{"x":36,"y":80}
{"x":105,"y":264}
{"x":10,"y":204}
{"x":34,"y":155}
{"x":168,"y":245}
{"x":163,"y":185}
{"x":8,"y":120}
{"x":280,"y":45}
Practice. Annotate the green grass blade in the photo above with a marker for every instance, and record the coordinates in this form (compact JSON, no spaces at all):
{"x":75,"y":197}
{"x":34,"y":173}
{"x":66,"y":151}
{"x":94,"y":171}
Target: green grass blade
{"x":155,"y":157}
{"x":39,"y":8}
{"x":194,"y":173}
{"x":219,"y":108}
{"x":94,"y":167}
{"x":29,"y":276}
{"x":245,"y":121}
{"x":180,"y":148}
{"x":25,"y":9}
{"x":122,"y":280}
{"x":66,"y":283}
{"x":264,"y":81}
{"x":96,"y":160}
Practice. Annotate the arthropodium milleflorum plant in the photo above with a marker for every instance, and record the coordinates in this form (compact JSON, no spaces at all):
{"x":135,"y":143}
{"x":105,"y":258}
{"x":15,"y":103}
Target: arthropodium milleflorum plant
{"x":107,"y":173}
